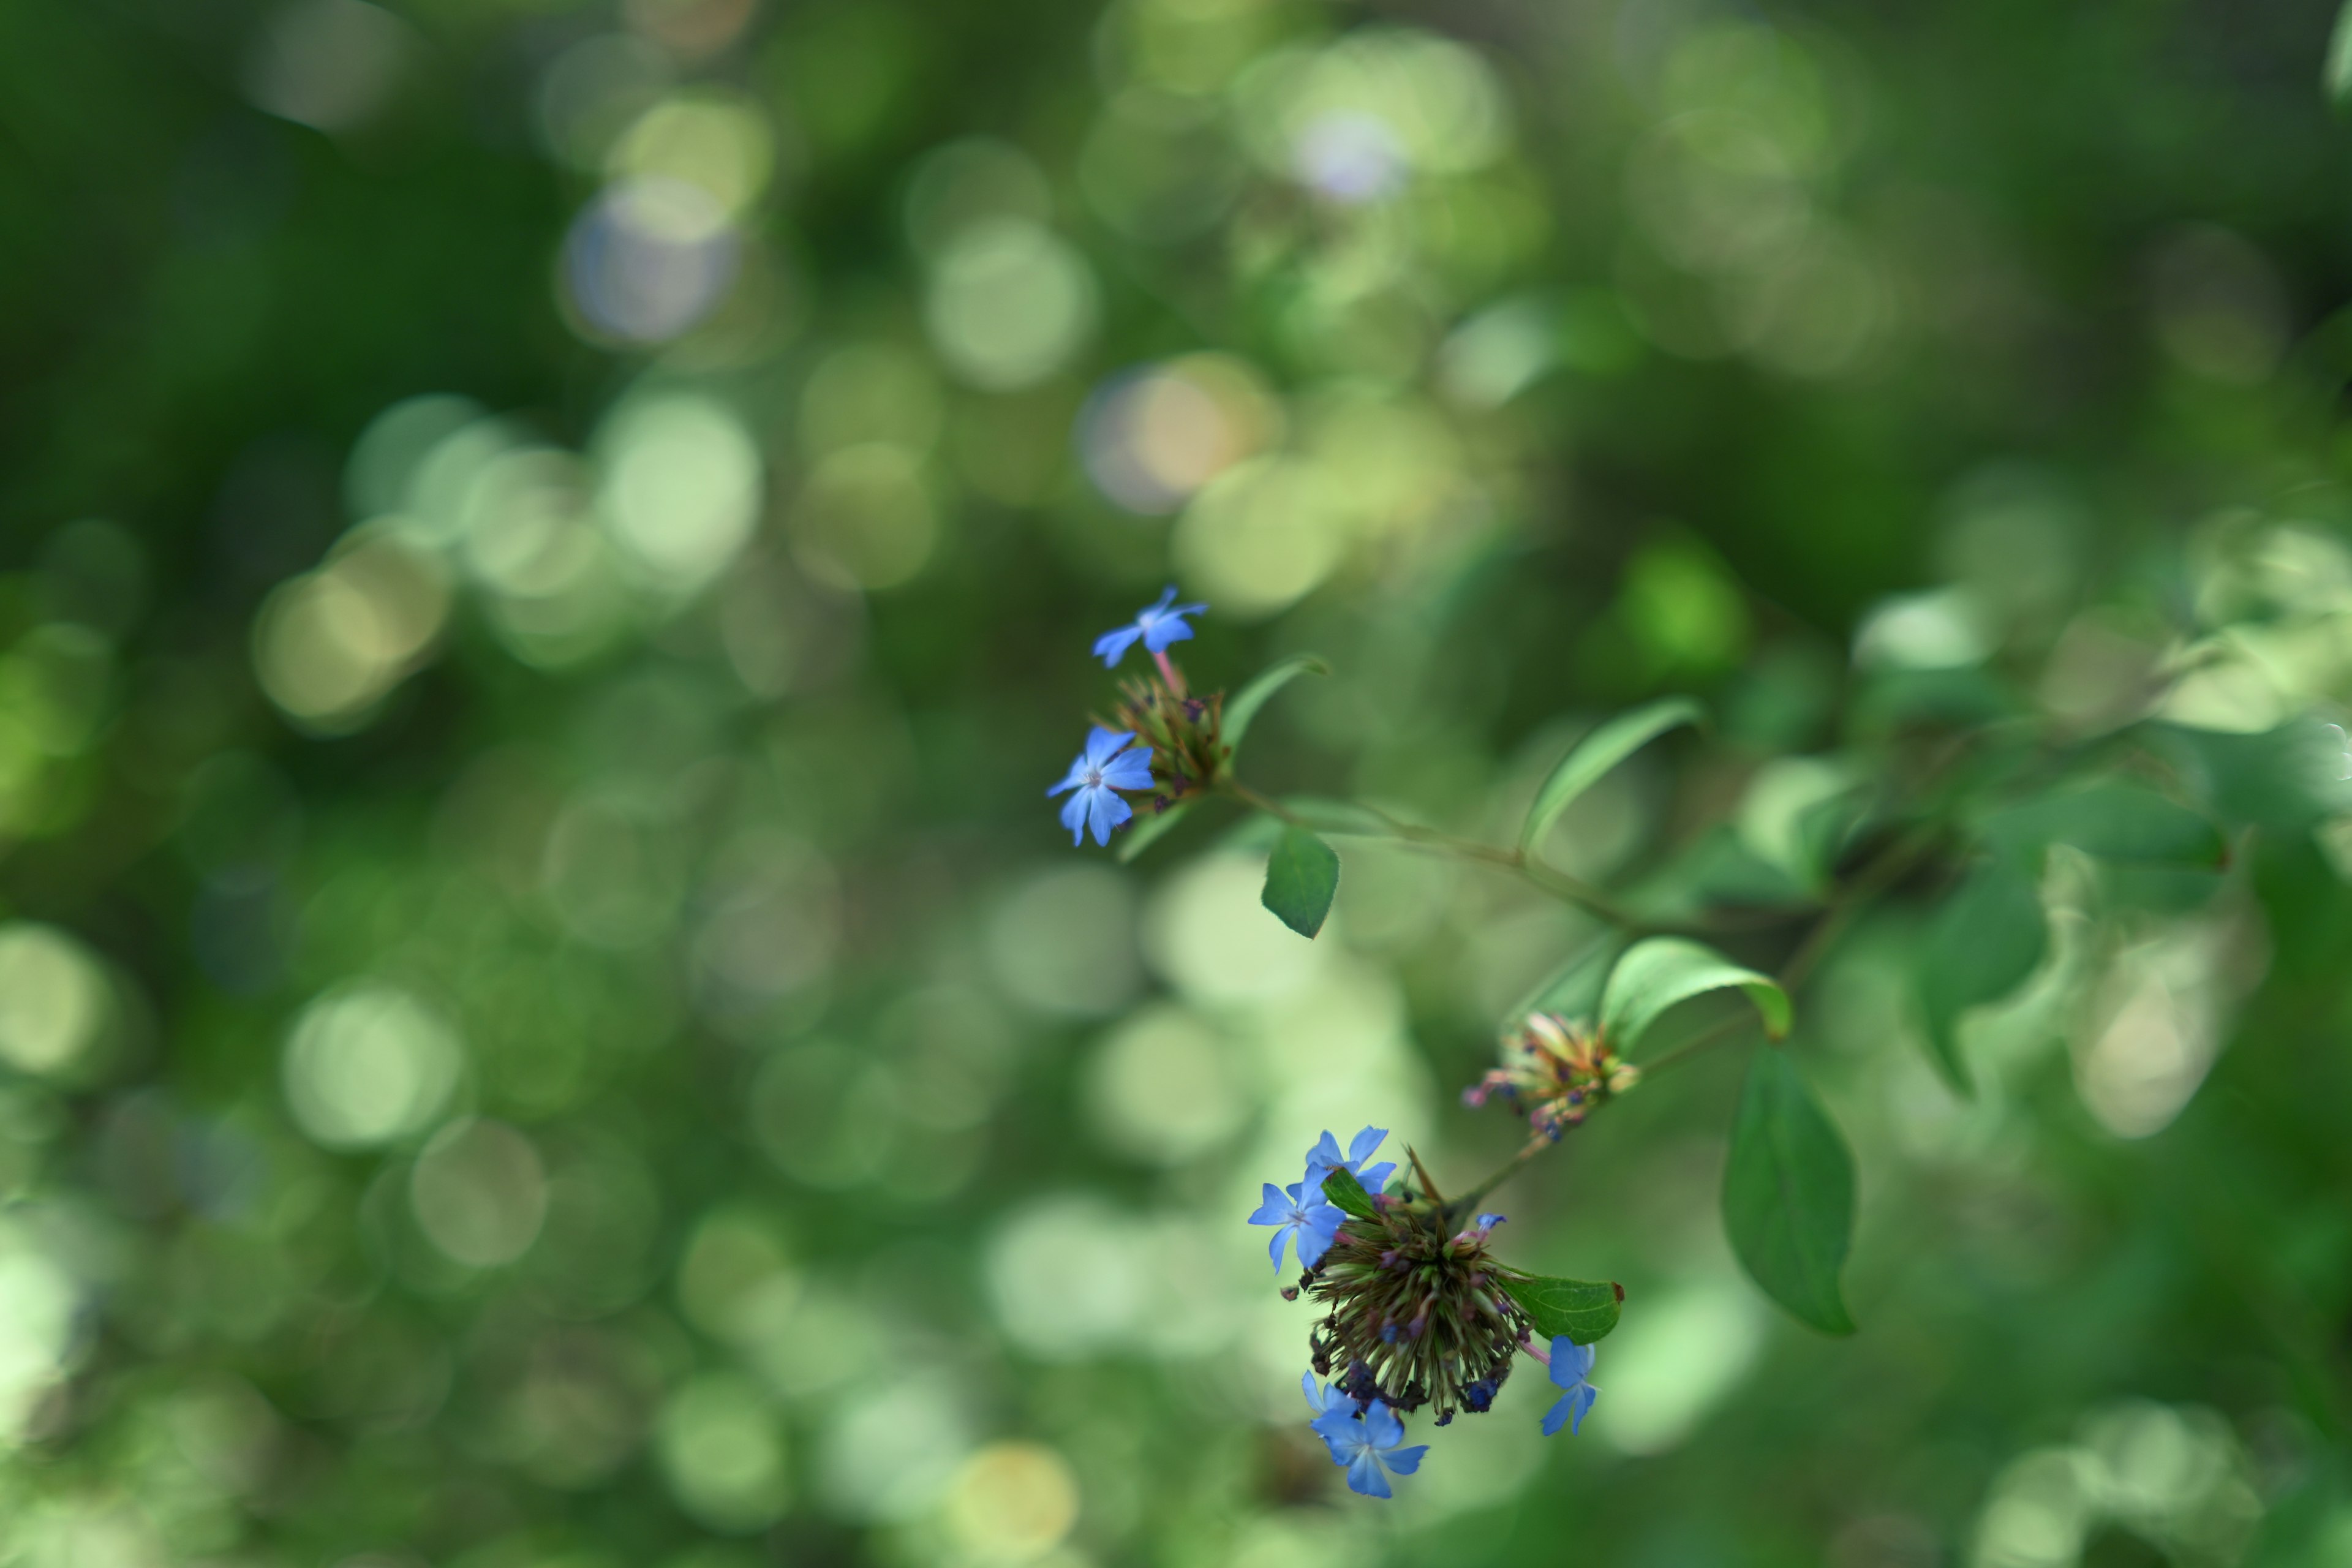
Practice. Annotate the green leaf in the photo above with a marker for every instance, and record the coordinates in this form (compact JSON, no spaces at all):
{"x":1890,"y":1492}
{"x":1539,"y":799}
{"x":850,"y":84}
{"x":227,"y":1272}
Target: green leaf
{"x":1242,"y":709}
{"x":1346,"y":1194}
{"x":1573,"y":990}
{"x":1301,"y":875}
{"x":2336,"y":76}
{"x":1661,"y":971}
{"x":2111,"y":820}
{"x":1149,"y":830}
{"x":1798,"y":812}
{"x":1788,"y":1194}
{"x":1989,"y":936}
{"x":2288,"y":778}
{"x":1594,"y":755}
{"x":1582,"y":1308}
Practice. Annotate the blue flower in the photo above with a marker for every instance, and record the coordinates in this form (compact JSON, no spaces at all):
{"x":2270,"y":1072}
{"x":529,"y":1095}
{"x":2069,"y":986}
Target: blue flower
{"x":1333,"y":1400}
{"x":1324,"y":1158}
{"x":1571,"y":1363}
{"x":1156,"y":624}
{"x":1475,"y":1234}
{"x":1108,"y":763}
{"x":1367,"y":1446}
{"x":1310,"y":1222}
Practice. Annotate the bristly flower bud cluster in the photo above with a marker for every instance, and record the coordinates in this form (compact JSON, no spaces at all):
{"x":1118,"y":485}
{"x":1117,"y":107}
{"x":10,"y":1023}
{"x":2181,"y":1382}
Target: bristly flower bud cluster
{"x":1418,"y":1314}
{"x":1182,"y":747}
{"x":1554,"y":1071}
{"x":1185,"y":733}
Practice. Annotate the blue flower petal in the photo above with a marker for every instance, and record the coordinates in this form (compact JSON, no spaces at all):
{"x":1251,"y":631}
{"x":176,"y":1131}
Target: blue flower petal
{"x":1073,"y":779}
{"x":1111,"y":647}
{"x":1404,"y":1461}
{"x":1103,"y":744}
{"x":1365,"y":1476}
{"x":1568,"y":1410}
{"x":1272,"y":1209}
{"x":1170,"y":628}
{"x":1073,"y":816}
{"x":1341,"y":1433}
{"x":1327,"y":1403}
{"x":1131,"y":769}
{"x":1571,"y":1362}
{"x":1315,"y":1239}
{"x":1105,"y":811}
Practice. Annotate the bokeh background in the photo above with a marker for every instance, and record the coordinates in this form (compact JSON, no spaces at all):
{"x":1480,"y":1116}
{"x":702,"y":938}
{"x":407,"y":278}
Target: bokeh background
{"x":547,"y":552}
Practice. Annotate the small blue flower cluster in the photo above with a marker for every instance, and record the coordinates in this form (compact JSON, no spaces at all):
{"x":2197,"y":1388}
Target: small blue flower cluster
{"x":1301,"y":1214}
{"x":1366,"y":1441}
{"x":1363,"y":1432}
{"x":1111,"y":761}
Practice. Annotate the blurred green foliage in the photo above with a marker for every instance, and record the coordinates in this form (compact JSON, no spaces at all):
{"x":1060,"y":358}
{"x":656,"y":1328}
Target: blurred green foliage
{"x":547,"y":554}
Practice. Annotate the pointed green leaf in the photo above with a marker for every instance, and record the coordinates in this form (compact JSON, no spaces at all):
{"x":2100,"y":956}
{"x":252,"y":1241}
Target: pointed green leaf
{"x":2283,"y":778}
{"x":1788,"y":1194}
{"x":1242,"y":710}
{"x":2337,"y":75}
{"x":1661,"y":971}
{"x":1346,"y":1194}
{"x":1149,"y":830}
{"x":1989,"y":936}
{"x":1301,"y":875}
{"x":2113,"y":820}
{"x":1798,"y":812}
{"x":1583,"y":1310}
{"x":1594,"y":755}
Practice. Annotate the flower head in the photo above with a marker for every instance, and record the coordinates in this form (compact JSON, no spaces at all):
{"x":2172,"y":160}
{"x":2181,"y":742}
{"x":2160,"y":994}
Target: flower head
{"x":1108,"y":764}
{"x":1302,"y":1216}
{"x":1571,"y":1363}
{"x":1369,"y":1446}
{"x":1155,"y":625}
{"x":1554,"y":1071}
{"x":1416,"y":1311}
{"x":1325,"y":1158}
